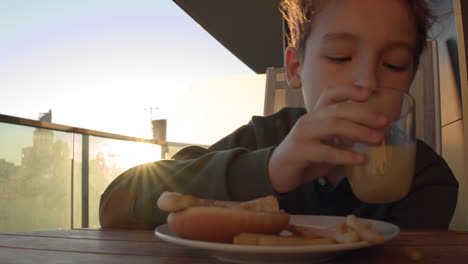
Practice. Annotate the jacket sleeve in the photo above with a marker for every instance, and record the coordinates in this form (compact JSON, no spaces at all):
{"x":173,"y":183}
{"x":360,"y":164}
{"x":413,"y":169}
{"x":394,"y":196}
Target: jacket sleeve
{"x":433,"y":198}
{"x":231,"y":169}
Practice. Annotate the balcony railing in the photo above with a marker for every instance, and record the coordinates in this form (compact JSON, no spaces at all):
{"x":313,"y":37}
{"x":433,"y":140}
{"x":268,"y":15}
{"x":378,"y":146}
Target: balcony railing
{"x":52,"y":176}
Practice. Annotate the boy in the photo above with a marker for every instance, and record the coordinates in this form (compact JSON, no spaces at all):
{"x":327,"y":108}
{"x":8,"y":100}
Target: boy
{"x":339,"y":52}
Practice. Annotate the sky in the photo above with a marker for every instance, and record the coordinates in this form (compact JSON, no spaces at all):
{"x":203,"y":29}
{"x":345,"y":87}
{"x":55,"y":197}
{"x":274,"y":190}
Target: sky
{"x":101,"y":64}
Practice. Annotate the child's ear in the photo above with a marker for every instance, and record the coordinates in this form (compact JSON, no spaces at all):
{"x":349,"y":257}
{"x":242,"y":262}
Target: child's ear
{"x":293,"y":67}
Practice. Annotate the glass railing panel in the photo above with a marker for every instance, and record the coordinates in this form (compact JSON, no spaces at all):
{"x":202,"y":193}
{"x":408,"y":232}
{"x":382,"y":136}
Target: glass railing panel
{"x":35,"y":178}
{"x":108,"y":158}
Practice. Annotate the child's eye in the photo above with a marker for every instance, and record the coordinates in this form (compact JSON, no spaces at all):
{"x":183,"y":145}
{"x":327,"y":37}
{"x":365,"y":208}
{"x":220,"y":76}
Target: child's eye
{"x":338,"y":59}
{"x":395,"y":67}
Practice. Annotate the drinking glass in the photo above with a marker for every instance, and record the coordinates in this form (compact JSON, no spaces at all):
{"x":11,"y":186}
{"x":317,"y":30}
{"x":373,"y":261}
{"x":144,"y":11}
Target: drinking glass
{"x":388,"y":173}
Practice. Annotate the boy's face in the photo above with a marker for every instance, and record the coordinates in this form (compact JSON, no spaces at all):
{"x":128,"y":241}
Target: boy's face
{"x":356,"y":42}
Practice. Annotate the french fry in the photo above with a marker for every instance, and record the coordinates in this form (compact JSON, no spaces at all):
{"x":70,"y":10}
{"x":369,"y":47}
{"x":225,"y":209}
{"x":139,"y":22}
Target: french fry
{"x":292,"y":241}
{"x":340,"y":233}
{"x":278,"y":240}
{"x":363,"y":231}
{"x":349,"y":237}
{"x":340,"y":228}
{"x":248,"y":238}
{"x":350,"y":231}
{"x":309,"y":232}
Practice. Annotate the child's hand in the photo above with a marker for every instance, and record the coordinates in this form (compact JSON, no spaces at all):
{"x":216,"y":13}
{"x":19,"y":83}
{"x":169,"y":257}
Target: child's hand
{"x":304,"y":154}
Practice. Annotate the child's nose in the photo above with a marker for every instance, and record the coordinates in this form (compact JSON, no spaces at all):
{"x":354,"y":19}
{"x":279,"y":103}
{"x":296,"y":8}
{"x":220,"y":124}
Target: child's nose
{"x":366,"y":75}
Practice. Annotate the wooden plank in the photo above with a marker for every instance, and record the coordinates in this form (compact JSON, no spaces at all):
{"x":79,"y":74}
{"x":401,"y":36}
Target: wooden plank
{"x":102,"y":234}
{"x":434,"y":246}
{"x":80,"y":245}
{"x":404,"y":255}
{"x":27,"y":256}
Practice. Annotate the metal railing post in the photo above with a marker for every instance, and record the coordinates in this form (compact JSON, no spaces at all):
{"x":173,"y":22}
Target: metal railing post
{"x":85,"y":182}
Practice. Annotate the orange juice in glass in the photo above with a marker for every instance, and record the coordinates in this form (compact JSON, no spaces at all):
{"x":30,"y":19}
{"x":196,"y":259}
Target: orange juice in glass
{"x":388,"y":173}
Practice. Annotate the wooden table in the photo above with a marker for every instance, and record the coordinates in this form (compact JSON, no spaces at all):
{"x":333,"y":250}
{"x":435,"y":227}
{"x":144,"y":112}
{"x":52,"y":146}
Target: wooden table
{"x":138,"y":246}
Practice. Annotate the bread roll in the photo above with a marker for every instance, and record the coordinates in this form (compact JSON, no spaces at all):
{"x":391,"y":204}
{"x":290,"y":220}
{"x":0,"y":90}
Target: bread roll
{"x":220,"y":221}
{"x":220,"y":224}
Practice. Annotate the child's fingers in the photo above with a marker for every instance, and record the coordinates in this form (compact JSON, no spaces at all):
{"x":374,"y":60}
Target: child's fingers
{"x":328,"y":154}
{"x":333,"y":95}
{"x":356,"y":112}
{"x":341,"y":128}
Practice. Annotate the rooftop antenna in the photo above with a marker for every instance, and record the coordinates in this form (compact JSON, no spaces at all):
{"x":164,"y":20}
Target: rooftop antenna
{"x":151,"y":108}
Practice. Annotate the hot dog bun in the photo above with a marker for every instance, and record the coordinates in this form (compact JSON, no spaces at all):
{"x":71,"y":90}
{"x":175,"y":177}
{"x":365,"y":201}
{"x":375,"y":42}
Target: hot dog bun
{"x":218,"y":224}
{"x":221,"y":221}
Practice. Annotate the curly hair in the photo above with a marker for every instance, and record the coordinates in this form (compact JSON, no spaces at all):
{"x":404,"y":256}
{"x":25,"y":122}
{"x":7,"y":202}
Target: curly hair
{"x":299,"y":14}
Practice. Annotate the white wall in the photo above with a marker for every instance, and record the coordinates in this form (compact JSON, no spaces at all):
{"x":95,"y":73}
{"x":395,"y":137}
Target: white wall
{"x":213,"y":108}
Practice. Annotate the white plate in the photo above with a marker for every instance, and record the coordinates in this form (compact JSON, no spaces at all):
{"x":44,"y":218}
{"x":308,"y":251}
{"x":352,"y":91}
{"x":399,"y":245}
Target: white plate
{"x":290,"y":254}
